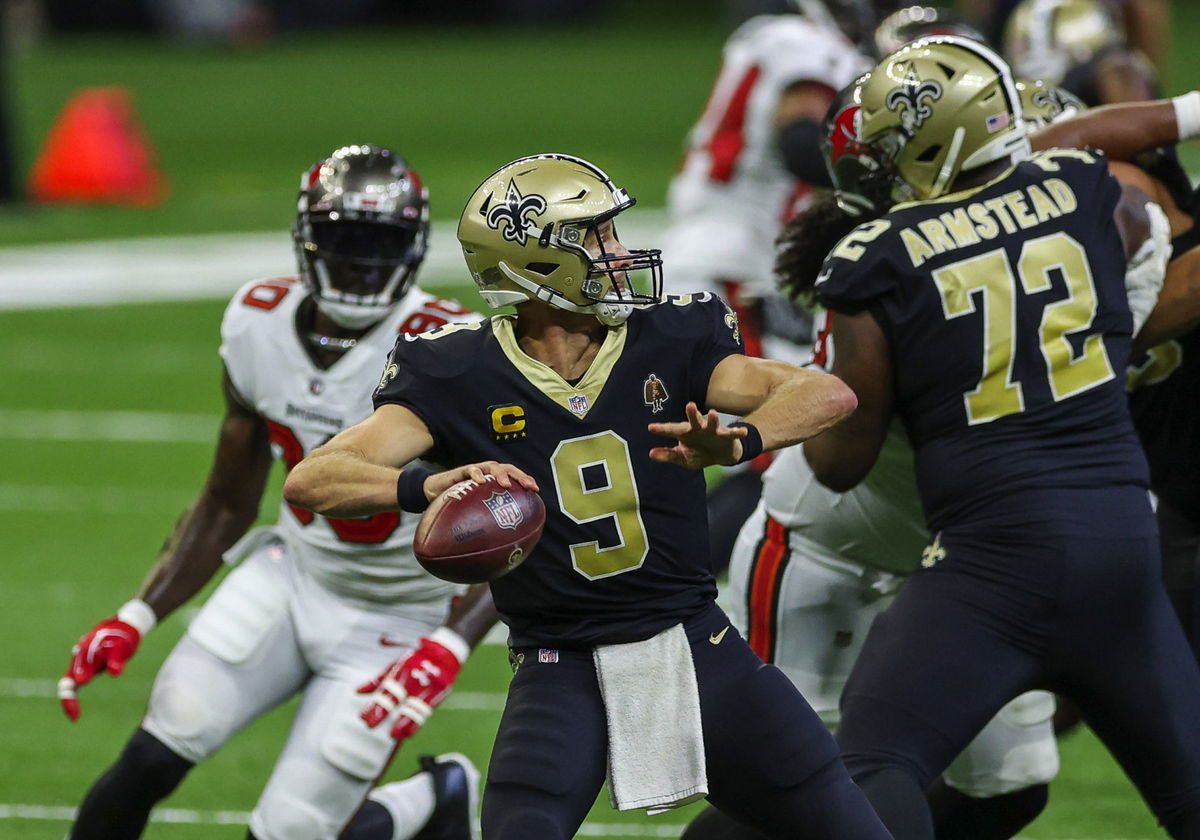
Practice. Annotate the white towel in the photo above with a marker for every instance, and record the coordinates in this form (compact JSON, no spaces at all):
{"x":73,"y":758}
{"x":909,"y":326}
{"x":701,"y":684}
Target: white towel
{"x":655,"y":739}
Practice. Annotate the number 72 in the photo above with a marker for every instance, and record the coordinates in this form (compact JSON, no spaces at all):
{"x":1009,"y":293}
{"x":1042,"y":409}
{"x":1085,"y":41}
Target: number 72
{"x":997,"y":394}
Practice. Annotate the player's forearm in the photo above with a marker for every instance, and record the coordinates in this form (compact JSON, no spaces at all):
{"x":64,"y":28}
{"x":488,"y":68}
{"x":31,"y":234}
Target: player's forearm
{"x":193,"y":553}
{"x":802,"y":405}
{"x":341,"y":483}
{"x":474,"y":615}
{"x":1178,"y":308}
{"x":1120,"y":131}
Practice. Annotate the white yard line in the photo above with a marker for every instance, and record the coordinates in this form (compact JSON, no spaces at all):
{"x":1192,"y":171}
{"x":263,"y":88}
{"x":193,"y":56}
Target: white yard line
{"x":132,"y":426}
{"x":204,"y":267}
{"x":46,"y":689}
{"x":63,"y":813}
{"x":33,"y":498}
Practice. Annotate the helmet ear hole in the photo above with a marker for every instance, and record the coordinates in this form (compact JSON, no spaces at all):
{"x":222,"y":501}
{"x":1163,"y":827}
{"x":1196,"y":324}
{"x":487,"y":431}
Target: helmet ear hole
{"x":930,"y":153}
{"x":545,"y":269}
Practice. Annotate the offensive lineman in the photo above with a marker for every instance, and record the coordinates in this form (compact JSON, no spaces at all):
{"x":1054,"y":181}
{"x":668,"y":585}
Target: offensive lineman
{"x":1043,"y":567}
{"x":316,"y":606}
{"x":624,"y":665}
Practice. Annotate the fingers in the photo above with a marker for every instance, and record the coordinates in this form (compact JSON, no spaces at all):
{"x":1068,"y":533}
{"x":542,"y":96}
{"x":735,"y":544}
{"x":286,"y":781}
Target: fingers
{"x":413,"y":713}
{"x":503,"y":474}
{"x":679,"y":455}
{"x":81,"y":670}
{"x":388,"y":694}
{"x":695,"y":423}
{"x":115,"y":663}
{"x":66,"y":696}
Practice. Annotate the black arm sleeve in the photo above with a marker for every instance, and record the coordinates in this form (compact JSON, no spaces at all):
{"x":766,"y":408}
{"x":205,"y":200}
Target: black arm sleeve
{"x":800,"y":143}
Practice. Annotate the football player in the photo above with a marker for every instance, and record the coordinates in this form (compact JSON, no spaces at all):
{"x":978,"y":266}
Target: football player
{"x":624,"y":665}
{"x":988,"y":312}
{"x":750,"y":160}
{"x":1080,"y":45}
{"x":812,"y":568}
{"x":315,"y":606}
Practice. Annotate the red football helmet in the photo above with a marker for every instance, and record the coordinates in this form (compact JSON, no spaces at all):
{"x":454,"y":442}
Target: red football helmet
{"x":856,"y":168}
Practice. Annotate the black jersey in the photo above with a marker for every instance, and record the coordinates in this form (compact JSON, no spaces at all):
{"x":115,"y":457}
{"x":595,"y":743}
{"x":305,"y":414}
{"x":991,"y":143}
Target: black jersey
{"x":625,"y":549}
{"x":1164,"y":386}
{"x":1006,"y":313}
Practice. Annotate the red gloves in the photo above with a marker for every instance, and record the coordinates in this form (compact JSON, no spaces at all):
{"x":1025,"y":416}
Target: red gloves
{"x":106,"y":647}
{"x":417,"y":683}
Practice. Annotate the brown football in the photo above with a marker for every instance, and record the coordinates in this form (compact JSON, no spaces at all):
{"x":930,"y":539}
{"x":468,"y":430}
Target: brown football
{"x":474,"y":533}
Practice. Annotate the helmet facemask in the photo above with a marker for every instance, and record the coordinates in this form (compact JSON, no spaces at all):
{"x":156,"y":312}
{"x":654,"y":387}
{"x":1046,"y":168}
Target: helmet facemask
{"x":861,"y":181}
{"x":361,"y":232}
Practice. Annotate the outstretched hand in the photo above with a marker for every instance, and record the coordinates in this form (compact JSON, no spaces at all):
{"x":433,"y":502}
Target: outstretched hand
{"x":701,"y":440}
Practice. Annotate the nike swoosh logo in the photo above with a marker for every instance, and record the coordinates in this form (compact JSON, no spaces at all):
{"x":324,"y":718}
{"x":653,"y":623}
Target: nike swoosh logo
{"x":388,"y":641}
{"x":823,"y":276}
{"x":716,"y":638}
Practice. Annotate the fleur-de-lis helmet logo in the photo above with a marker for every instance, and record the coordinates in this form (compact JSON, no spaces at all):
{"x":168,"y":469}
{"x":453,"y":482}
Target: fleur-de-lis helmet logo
{"x":1056,"y":101}
{"x":510,"y":216}
{"x":913,"y":100}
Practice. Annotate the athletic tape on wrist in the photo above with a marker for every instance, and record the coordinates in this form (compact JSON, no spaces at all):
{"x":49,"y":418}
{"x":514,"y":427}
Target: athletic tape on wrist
{"x":410,"y":489}
{"x":139,"y":615}
{"x":752,"y":445}
{"x":452,"y":642}
{"x":1187,"y":114}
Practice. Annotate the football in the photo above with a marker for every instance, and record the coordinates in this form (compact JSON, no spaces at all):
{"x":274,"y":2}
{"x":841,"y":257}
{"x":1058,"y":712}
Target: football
{"x":474,"y":533}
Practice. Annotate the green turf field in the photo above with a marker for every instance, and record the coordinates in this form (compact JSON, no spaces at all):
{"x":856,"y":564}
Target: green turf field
{"x":84,"y":509}
{"x":108,"y":414}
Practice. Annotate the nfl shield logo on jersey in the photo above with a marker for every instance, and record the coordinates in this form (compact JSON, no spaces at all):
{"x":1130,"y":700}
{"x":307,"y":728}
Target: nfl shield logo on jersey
{"x":504,"y":509}
{"x":578,"y":403}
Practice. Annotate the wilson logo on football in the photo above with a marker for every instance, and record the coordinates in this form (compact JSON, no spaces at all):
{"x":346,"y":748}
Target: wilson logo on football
{"x":913,"y":100}
{"x":510,"y":217}
{"x":504,"y":509}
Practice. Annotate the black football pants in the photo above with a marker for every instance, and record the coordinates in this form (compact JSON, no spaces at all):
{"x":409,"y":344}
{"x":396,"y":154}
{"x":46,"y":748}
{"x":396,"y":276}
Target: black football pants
{"x":770,"y":761}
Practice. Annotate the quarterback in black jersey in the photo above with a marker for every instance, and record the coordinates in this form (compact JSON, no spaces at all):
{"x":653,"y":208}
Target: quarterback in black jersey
{"x":988,"y":312}
{"x":615,"y":637}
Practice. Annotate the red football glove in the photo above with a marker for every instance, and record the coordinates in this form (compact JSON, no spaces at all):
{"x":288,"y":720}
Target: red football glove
{"x":106,"y":647}
{"x":417,"y":683}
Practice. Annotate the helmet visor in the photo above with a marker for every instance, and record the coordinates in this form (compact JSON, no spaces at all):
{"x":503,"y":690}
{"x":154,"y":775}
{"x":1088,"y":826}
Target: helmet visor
{"x":365,"y":242}
{"x":359,"y":259}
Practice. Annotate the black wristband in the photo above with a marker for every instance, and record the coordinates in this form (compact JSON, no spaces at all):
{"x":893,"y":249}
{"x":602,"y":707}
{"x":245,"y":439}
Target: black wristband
{"x":410,"y":489}
{"x":752,"y":445}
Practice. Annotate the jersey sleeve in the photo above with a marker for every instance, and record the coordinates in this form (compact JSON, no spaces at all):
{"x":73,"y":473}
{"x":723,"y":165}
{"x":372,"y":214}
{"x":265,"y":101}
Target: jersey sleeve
{"x":421,"y":368}
{"x":857,"y":271}
{"x":711,"y":325}
{"x":793,"y":49}
{"x":242,"y":327}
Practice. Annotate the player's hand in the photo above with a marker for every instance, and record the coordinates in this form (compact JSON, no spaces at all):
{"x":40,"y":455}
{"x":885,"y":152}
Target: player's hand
{"x":106,"y":647}
{"x":504,"y":475}
{"x":702,"y":440}
{"x":416,"y":684}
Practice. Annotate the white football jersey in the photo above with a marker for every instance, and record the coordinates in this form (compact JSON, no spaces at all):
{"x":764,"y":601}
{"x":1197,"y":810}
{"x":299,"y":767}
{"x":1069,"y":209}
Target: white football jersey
{"x":304,"y":405}
{"x":878,"y":524}
{"x":733,"y":193}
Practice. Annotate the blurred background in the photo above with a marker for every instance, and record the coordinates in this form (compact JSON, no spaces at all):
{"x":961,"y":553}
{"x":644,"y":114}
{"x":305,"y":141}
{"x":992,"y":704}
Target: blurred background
{"x":150,"y":153}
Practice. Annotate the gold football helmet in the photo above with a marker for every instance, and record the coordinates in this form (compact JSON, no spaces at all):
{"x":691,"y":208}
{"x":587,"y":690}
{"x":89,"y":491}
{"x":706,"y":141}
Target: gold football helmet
{"x":532,"y":231}
{"x":939,"y":107}
{"x":1043,"y":39}
{"x":1043,"y":104}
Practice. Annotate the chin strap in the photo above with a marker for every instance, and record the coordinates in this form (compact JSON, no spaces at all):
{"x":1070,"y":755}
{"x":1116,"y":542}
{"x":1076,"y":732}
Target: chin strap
{"x":609,"y":314}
